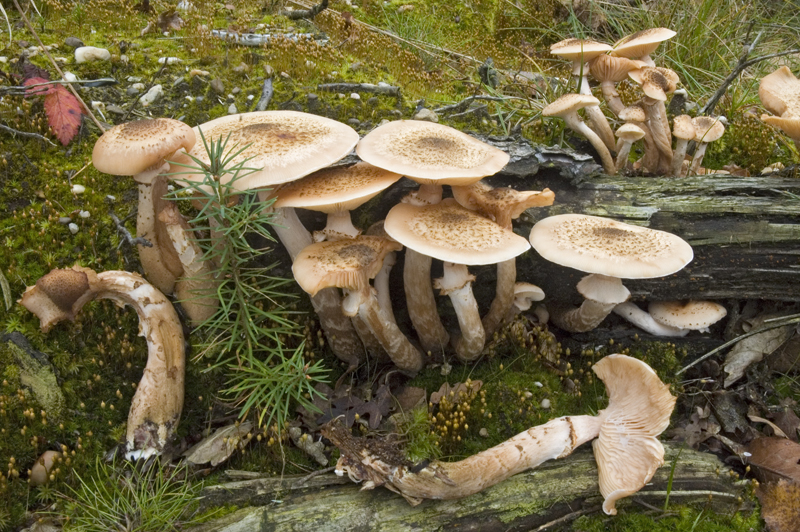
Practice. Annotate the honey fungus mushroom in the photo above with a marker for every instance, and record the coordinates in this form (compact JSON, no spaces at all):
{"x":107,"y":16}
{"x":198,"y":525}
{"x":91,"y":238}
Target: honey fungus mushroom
{"x":139,"y":149}
{"x":158,"y":401}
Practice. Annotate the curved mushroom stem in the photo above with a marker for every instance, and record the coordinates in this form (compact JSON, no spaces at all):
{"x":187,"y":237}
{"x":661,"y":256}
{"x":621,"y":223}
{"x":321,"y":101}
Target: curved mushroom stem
{"x":697,"y":160}
{"x":678,"y":157}
{"x":158,"y":401}
{"x":627,"y":450}
{"x":457,"y":283}
{"x":599,"y":124}
{"x":612,"y":97}
{"x":645,"y":321}
{"x":659,"y":128}
{"x":365,"y":303}
{"x":577,"y":125}
{"x":503,"y":298}
{"x":381,"y":284}
{"x":609,"y":293}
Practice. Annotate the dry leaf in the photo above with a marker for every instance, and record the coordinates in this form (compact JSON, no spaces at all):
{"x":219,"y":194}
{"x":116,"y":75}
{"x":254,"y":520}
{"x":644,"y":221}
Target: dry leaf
{"x":221,"y":445}
{"x":753,"y":348}
{"x":780,"y":505}
{"x":773,"y":459}
{"x":63,"y":110}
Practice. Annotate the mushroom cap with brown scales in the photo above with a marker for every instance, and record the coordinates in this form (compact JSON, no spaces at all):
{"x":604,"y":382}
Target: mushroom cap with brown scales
{"x":780,"y":92}
{"x":348,"y":263}
{"x":692,"y":315}
{"x":58,"y":296}
{"x":579,"y":51}
{"x":332,"y":190}
{"x":683,"y":128}
{"x":599,"y":245}
{"x":281,"y":145}
{"x":707,"y":128}
{"x":641,"y":43}
{"x":633,"y":113}
{"x":447,"y":231}
{"x":430,"y":153}
{"x":501,"y":204}
{"x":654,"y":83}
{"x":133,"y":147}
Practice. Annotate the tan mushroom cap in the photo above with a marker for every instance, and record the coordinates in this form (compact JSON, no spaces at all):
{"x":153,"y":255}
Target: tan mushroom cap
{"x":281,"y":145}
{"x":333,"y":190}
{"x":133,"y":147}
{"x":612,"y":68}
{"x":598,"y":245}
{"x":57,"y":296}
{"x":694,"y":315}
{"x":348,"y":263}
{"x":707,"y":128}
{"x":40,"y":471}
{"x":780,"y":92}
{"x":633,"y":113}
{"x":449,"y":232}
{"x":501,"y":204}
{"x":641,"y":43}
{"x":568,"y":104}
{"x":630,"y":132}
{"x":654,"y":83}
{"x":579,"y":51}
{"x":789,"y":125}
{"x":683,"y":127}
{"x":430,"y":153}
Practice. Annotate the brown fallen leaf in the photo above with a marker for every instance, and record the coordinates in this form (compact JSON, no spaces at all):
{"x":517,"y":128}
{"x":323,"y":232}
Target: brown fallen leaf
{"x":772,"y":459}
{"x":753,"y":348}
{"x":780,"y":505}
{"x":221,"y":445}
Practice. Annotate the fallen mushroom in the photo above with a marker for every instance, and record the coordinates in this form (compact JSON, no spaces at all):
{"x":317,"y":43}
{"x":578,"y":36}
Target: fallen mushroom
{"x":642,"y":319}
{"x":627,"y":449}
{"x":158,"y":401}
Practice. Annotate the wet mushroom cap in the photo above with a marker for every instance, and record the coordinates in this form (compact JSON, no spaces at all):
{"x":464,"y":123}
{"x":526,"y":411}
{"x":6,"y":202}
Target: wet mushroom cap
{"x":654,"y":83}
{"x":641,"y":43}
{"x":133,"y":147}
{"x":694,"y":315}
{"x":447,"y":231}
{"x":281,"y":145}
{"x":332,"y":190}
{"x":430,"y":153}
{"x":598,"y":245}
{"x":348,"y":263}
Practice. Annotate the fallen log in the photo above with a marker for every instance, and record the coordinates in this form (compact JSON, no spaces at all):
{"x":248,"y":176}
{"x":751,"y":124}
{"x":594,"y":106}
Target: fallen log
{"x":554,"y":493}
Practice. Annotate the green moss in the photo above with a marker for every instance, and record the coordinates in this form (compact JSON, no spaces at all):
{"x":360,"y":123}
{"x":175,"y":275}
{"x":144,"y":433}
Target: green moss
{"x":677,"y":518}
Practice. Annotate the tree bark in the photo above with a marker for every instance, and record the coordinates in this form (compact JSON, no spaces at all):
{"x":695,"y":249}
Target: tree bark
{"x":555,"y":492}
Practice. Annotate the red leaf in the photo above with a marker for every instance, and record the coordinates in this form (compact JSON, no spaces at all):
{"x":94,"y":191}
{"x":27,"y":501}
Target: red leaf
{"x":63,"y":113}
{"x":37,"y":91}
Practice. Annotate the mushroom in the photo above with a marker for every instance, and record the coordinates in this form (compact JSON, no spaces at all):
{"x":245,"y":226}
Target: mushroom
{"x":158,"y":401}
{"x":610,"y":70}
{"x":459,"y":237}
{"x":627,"y":450}
{"x":580,"y":52}
{"x":707,"y":129}
{"x":641,"y":44}
{"x":627,"y":134}
{"x":566,"y":108}
{"x":40,"y":471}
{"x":687,"y":315}
{"x":431,"y":155}
{"x":501,"y":205}
{"x":684,"y":131}
{"x":635,"y":115}
{"x":788,"y":124}
{"x":140,"y":149}
{"x":350,"y":264}
{"x":609,"y":250}
{"x":780,"y":92}
{"x":656,"y":84}
{"x":642,"y":319}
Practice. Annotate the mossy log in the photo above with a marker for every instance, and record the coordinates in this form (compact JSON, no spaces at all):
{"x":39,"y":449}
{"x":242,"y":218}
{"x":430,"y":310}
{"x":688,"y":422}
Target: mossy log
{"x":554,"y":493}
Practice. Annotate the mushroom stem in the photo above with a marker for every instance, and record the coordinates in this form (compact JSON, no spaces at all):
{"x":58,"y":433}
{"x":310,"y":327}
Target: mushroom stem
{"x":421,"y":302}
{"x":381,"y":284}
{"x":339,"y":225}
{"x":605,"y":291}
{"x":158,"y":401}
{"x":503,"y":297}
{"x":697,"y":160}
{"x":622,"y":153}
{"x":577,"y":125}
{"x":659,"y":128}
{"x":645,"y":321}
{"x":678,"y":157}
{"x":612,"y":97}
{"x":599,"y":124}
{"x":627,"y":450}
{"x":457,"y":284}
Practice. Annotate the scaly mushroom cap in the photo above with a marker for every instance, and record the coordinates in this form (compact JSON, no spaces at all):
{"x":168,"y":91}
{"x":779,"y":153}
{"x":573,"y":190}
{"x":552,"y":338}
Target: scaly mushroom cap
{"x":707,"y":128}
{"x":501,"y":204}
{"x":655,"y":83}
{"x":281,"y":145}
{"x":789,"y":125}
{"x":58,"y":296}
{"x":780,"y":92}
{"x":348,"y":263}
{"x":641,"y":43}
{"x":693,"y":315}
{"x":133,"y":147}
{"x":630,"y":132}
{"x":598,"y":245}
{"x":579,"y":51}
{"x":333,"y":190}
{"x":683,"y":128}
{"x":568,"y":104}
{"x":627,"y":450}
{"x":612,"y":68}
{"x":430,"y":153}
{"x":449,"y":232}
{"x":634,"y":113}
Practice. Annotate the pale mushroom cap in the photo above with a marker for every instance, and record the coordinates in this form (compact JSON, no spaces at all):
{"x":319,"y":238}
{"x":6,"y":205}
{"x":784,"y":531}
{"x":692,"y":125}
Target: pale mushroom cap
{"x":525,"y":294}
{"x":133,"y":147}
{"x":683,"y":128}
{"x":40,"y":471}
{"x":694,"y":315}
{"x":612,"y":68}
{"x":568,"y":104}
{"x":575,"y":49}
{"x":501,"y":204}
{"x":642,"y":42}
{"x":603,"y":289}
{"x":449,"y":232}
{"x":780,"y":92}
{"x":790,"y":125}
{"x":430,"y":153}
{"x":630,"y":132}
{"x":281,"y":145}
{"x":598,"y":245}
{"x":633,"y":113}
{"x":654,"y":83}
{"x":332,"y":190}
{"x":707,"y":128}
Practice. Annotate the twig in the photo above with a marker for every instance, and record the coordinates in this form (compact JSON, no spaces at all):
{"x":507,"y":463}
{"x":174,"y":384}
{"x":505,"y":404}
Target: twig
{"x":26,"y":134}
{"x":463,"y":104}
{"x":86,"y":108}
{"x":296,"y":14}
{"x":266,"y":95}
{"x":476,"y":109}
{"x":773,"y":323}
{"x":388,"y":90}
{"x":569,"y":517}
{"x":126,"y":235}
{"x":301,"y":481}
{"x":147,"y":89}
{"x":23,"y":90}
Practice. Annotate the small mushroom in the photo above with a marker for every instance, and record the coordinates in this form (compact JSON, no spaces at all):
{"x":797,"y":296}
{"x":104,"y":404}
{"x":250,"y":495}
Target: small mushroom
{"x":707,"y":130}
{"x":683,"y":129}
{"x":687,"y":315}
{"x":40,"y":472}
{"x":566,"y":108}
{"x":642,"y":319}
{"x":628,"y":134}
{"x":641,"y":44}
{"x":635,"y":115}
{"x":158,"y":401}
{"x":610,"y":70}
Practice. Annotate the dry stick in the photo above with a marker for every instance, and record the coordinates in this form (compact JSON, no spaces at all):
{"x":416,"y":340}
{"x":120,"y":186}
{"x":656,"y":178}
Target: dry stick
{"x":774,"y":323}
{"x":60,"y":73}
{"x":26,"y":134}
{"x":305,"y":13}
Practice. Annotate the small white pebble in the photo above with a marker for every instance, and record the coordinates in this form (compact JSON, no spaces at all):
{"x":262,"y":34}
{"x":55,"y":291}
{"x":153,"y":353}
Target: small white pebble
{"x":250,"y":97}
{"x":169,"y":60}
{"x":69,"y":76}
{"x":84,"y":214}
{"x":546,"y":404}
{"x":111,"y":198}
{"x":78,"y":189}
{"x":73,"y":228}
{"x":355,"y":96}
{"x":484,"y":433}
{"x":538,"y":384}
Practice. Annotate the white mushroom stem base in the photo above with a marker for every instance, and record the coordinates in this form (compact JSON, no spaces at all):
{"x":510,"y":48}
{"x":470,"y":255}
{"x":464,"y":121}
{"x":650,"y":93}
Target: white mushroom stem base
{"x":158,"y":401}
{"x":627,"y":449}
{"x":602,"y":294}
{"x":457,"y":284}
{"x":645,"y":321}
{"x":339,"y":226}
{"x":697,"y":160}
